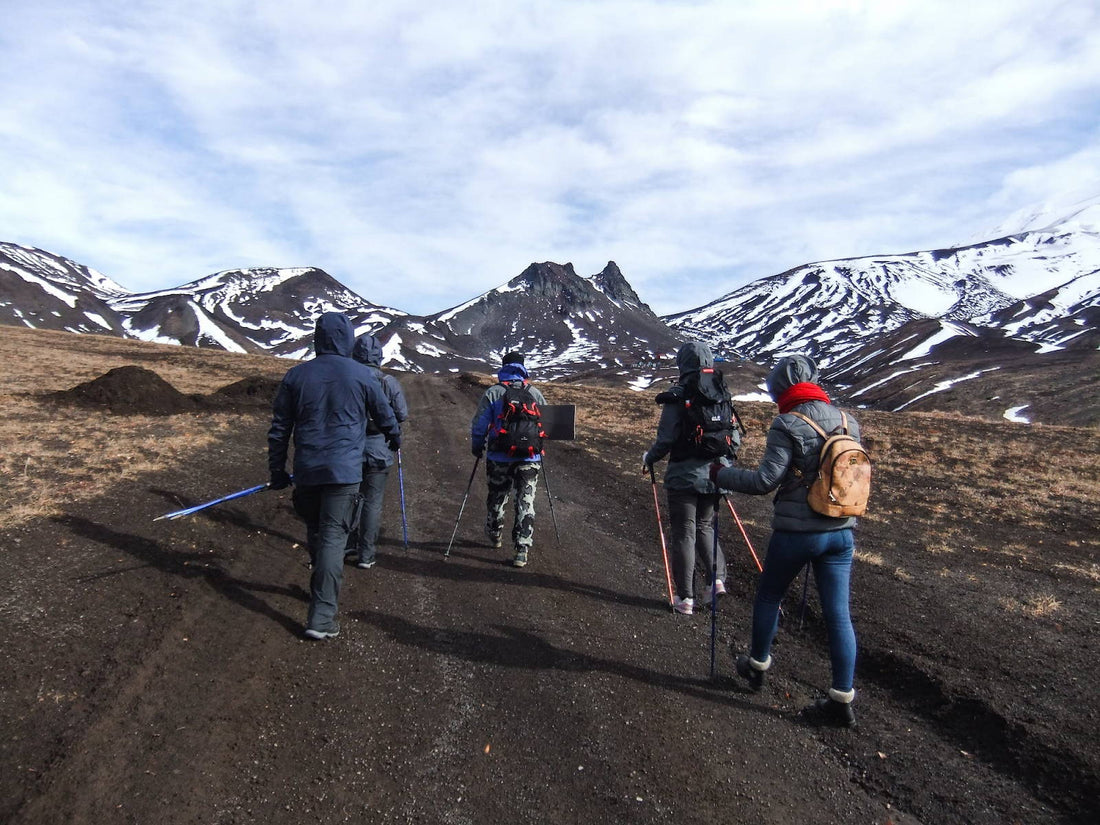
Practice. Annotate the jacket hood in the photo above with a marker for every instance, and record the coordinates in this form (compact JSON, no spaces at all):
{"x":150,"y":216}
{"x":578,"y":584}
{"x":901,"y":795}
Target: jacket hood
{"x":692,"y":357}
{"x":512,"y":372}
{"x":368,"y":350}
{"x":791,"y":370}
{"x":334,"y":335}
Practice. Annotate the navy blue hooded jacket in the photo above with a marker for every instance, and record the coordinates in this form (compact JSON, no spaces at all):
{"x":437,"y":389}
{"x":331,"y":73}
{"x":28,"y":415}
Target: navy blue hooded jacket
{"x":326,"y":403}
{"x":368,"y":351}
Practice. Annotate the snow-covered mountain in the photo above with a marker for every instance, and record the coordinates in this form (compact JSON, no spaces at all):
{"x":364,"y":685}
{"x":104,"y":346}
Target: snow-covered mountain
{"x":248,"y":310}
{"x":566,"y":324}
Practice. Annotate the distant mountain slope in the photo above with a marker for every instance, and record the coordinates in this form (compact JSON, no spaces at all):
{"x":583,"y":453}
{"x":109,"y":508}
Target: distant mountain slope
{"x":45,"y":291}
{"x":246,"y":310}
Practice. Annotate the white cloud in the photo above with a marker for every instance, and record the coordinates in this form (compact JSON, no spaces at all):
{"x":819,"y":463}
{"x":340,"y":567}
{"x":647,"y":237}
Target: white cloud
{"x":422,"y":153}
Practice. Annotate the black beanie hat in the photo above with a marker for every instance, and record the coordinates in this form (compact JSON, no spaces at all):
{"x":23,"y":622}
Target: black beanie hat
{"x":512,"y":357}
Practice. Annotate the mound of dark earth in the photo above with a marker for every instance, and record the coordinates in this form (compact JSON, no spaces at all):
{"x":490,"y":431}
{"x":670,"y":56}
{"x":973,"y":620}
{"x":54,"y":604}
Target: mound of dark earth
{"x":253,"y":391}
{"x":130,"y":390}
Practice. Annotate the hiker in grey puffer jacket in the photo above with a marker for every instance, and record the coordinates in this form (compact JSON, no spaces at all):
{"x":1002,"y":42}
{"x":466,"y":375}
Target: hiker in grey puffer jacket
{"x":800,"y":536}
{"x":692,"y":496}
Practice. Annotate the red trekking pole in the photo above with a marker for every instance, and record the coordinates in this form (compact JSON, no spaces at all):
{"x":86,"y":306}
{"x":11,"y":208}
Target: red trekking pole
{"x":748,"y":543}
{"x":661,"y":531}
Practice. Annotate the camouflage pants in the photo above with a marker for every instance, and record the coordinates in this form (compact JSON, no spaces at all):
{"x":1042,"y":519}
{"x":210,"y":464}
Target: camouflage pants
{"x":502,"y":478}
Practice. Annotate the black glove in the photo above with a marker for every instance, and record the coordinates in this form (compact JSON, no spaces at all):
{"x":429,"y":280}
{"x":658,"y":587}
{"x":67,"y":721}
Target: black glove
{"x":280,"y":480}
{"x":394,"y":443}
{"x":478,"y":451}
{"x":715,"y":468}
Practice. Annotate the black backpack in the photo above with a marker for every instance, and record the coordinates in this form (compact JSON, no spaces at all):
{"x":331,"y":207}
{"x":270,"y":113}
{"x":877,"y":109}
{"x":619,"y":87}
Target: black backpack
{"x":712,"y":428}
{"x":517,"y":431}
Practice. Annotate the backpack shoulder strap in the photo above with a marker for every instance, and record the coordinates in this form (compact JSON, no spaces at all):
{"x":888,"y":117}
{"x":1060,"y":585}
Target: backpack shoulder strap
{"x":816,"y":426}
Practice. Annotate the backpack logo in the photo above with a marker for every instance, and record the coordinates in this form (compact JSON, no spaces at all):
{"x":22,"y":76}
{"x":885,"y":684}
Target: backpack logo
{"x":517,"y":431}
{"x":712,"y":428}
{"x":843,"y":482}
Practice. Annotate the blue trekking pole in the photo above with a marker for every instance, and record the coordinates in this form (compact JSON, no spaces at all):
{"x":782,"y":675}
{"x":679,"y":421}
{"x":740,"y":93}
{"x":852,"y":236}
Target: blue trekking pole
{"x":714,"y":601}
{"x":401,"y":486}
{"x":189,"y":510}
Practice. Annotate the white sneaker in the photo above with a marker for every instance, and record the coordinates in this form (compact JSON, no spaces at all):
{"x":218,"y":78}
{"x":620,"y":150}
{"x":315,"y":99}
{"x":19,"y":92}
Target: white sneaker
{"x":685,"y":606}
{"x":719,"y":590}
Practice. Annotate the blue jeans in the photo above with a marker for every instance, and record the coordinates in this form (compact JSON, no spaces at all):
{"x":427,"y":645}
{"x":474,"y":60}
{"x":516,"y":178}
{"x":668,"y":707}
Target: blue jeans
{"x":327,"y":510}
{"x":830,"y":553}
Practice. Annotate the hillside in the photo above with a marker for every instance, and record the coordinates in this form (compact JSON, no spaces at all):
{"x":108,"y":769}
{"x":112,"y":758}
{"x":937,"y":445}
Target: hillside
{"x":157,"y":672}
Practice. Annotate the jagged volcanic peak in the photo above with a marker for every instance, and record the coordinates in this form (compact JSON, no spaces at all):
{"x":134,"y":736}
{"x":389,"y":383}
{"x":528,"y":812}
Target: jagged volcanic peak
{"x":560,"y":320}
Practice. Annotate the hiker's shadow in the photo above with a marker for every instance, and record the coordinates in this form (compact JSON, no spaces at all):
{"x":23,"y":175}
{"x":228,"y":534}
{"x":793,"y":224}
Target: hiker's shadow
{"x":513,"y":647}
{"x":225,"y":515}
{"x":189,"y":565}
{"x":464,"y":565}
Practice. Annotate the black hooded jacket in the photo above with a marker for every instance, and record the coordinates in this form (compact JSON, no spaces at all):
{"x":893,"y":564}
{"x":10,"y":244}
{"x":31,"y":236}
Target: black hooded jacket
{"x":368,"y":351}
{"x":326,"y":404}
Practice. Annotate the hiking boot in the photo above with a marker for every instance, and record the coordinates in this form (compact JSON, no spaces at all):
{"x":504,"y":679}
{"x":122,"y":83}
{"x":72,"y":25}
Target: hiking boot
{"x":493,"y":538}
{"x":319,"y":635}
{"x":828,"y":711}
{"x":719,"y":591}
{"x":749,"y":670}
{"x":685,"y":606}
{"x":520,"y":559}
{"x":365,"y":564}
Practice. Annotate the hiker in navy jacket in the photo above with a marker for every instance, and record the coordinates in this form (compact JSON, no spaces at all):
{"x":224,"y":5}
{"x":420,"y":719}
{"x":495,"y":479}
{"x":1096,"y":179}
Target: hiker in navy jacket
{"x":325,"y":404}
{"x":800,"y":536}
{"x":377,"y":459}
{"x":504,"y":472}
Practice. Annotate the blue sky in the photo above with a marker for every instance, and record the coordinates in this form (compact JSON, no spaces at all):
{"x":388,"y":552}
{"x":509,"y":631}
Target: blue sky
{"x":425,"y":152}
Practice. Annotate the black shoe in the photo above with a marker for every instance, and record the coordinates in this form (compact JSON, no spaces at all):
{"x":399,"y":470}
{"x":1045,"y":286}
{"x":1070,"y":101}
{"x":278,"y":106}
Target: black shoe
{"x":365,"y":564}
{"x":746,"y":671}
{"x":520,"y":559}
{"x":320,"y":635}
{"x":831,"y":712}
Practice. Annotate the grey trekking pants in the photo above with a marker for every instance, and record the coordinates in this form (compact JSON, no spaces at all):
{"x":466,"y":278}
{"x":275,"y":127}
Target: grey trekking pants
{"x":372,"y":492}
{"x":327,"y":510}
{"x":692,"y":531}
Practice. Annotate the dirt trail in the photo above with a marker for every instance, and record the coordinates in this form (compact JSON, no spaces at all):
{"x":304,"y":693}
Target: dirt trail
{"x":160,"y":676}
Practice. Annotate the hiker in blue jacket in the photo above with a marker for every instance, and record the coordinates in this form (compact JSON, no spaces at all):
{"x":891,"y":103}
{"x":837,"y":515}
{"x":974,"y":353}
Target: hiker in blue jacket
{"x":800,"y":536}
{"x":377,"y":460}
{"x":325,"y":404}
{"x":505,"y":472}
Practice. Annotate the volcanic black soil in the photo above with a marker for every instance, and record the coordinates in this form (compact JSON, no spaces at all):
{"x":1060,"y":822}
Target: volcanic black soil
{"x":156,"y":672}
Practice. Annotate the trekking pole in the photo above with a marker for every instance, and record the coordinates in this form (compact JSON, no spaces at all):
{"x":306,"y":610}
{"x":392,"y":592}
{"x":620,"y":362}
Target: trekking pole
{"x":661,"y":532}
{"x":189,"y":510}
{"x":714,"y":603}
{"x":401,"y":487}
{"x":748,"y":543}
{"x":802,"y":610}
{"x":469,"y":484}
{"x":550,"y":498}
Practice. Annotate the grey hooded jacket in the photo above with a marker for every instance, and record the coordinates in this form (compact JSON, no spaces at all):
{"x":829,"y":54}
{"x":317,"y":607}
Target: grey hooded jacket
{"x":791,"y":444}
{"x":368,"y":351}
{"x":682,"y":473}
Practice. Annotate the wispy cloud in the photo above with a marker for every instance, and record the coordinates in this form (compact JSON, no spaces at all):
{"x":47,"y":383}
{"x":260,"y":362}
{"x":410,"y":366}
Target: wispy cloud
{"x":424,"y":152}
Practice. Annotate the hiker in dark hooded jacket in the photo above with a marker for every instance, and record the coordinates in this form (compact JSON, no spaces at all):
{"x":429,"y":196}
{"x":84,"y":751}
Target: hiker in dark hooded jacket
{"x":800,"y":536}
{"x":692,"y":497}
{"x":325,"y":404}
{"x":378,"y":457}
{"x":505,"y":473}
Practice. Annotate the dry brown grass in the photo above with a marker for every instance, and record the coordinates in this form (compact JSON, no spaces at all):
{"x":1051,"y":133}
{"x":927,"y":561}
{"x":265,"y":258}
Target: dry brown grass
{"x":52,"y":454}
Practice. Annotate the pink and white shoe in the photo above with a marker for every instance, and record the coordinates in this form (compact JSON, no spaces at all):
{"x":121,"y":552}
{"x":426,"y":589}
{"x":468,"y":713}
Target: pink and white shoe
{"x":684,"y":606}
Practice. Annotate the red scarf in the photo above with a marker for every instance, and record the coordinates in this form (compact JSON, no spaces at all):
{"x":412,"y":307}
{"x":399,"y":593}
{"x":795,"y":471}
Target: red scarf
{"x":799,"y":394}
